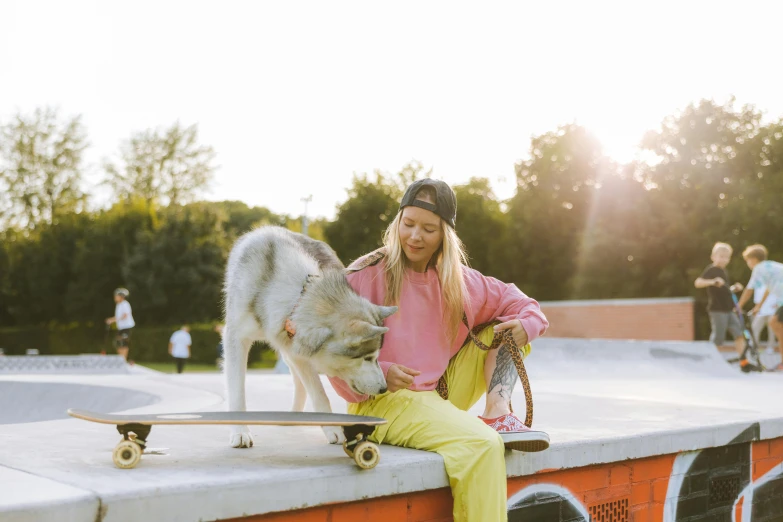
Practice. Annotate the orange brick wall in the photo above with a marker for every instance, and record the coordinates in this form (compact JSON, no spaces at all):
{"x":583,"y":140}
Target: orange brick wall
{"x":648,"y":319}
{"x":641,"y":485}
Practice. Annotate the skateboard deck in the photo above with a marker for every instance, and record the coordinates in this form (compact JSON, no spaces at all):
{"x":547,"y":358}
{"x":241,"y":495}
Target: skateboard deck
{"x":136,"y":428}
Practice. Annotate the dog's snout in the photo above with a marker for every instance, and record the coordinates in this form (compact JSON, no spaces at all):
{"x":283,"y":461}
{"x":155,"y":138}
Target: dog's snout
{"x":382,"y":390}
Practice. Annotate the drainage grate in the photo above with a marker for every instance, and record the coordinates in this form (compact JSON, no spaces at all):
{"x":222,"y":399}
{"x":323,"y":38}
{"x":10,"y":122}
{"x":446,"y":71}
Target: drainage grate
{"x":614,"y":511}
{"x":724,"y":489}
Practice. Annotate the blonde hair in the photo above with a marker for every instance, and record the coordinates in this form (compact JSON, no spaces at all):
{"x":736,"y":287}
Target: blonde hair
{"x":757,"y":251}
{"x":448,"y":259}
{"x":717,"y":247}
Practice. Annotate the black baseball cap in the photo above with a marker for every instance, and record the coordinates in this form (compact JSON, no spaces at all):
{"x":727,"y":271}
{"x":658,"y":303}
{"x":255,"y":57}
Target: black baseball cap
{"x":445,"y":200}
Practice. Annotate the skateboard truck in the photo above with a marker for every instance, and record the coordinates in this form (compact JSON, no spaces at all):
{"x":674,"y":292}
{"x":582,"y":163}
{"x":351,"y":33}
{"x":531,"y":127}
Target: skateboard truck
{"x":137,"y":433}
{"x":362,"y":451}
{"x":127,"y":453}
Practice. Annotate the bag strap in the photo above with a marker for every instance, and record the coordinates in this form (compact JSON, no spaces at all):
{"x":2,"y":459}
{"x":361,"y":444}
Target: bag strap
{"x":502,"y":338}
{"x":371,"y":259}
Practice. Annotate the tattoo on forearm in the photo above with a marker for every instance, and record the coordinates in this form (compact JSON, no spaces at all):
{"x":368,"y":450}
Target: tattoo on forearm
{"x":505,"y":375}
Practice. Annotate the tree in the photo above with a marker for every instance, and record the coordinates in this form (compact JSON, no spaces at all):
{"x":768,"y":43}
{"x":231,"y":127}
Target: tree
{"x":5,"y":272}
{"x":315,"y":227}
{"x":704,"y":187}
{"x":41,"y":167}
{"x":553,"y":208}
{"x":175,"y":272}
{"x":240,"y":218}
{"x":483,"y":228}
{"x":371,"y":205}
{"x":40,"y":266}
{"x":618,"y":251}
{"x":163,"y":166}
{"x":762,"y":190}
{"x":107,"y":241}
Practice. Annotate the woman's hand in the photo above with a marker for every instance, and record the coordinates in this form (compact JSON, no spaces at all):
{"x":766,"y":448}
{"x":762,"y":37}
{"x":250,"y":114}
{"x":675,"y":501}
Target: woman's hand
{"x":519,"y":333}
{"x":399,"y":377}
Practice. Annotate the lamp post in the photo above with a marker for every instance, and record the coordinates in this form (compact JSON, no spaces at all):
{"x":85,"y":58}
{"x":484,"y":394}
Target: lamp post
{"x":306,"y":200}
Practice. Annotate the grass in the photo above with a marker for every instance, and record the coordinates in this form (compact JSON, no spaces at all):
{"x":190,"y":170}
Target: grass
{"x":268,"y":360}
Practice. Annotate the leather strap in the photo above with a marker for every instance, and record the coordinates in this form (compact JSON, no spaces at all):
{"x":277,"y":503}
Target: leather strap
{"x":503,"y":338}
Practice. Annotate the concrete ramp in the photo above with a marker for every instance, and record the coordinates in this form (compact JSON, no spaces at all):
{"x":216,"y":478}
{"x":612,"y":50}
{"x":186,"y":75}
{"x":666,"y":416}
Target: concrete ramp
{"x":22,"y":401}
{"x":623,"y":359}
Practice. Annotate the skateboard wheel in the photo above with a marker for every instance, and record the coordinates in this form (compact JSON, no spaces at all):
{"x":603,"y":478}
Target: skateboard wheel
{"x":348,"y":451}
{"x":366,"y":454}
{"x":126,"y":455}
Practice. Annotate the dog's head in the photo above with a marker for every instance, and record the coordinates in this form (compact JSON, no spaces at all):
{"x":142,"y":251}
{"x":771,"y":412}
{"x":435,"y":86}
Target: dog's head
{"x":346,"y":343}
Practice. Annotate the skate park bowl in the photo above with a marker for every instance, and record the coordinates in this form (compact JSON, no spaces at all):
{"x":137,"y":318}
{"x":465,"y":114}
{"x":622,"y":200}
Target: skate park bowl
{"x":32,"y":394}
{"x":22,"y":401}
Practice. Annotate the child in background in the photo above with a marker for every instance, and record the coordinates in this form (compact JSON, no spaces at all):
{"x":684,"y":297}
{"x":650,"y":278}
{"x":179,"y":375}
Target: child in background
{"x":770,"y":275}
{"x":720,"y":305}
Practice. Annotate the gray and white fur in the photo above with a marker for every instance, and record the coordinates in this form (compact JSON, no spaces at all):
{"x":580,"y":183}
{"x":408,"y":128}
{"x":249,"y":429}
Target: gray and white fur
{"x":338,"y":333}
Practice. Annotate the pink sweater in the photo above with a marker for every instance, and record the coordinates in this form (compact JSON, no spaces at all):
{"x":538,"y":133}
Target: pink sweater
{"x":417,"y":337}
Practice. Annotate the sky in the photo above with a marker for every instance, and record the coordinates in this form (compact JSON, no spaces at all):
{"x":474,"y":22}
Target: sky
{"x":296,"y":97}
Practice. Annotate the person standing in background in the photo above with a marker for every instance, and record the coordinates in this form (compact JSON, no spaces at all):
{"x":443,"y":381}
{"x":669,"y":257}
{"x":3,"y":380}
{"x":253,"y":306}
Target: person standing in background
{"x":179,"y":347}
{"x":123,"y":317}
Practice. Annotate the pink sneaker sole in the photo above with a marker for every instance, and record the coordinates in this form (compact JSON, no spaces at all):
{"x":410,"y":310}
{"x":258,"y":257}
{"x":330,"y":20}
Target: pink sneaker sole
{"x":527,"y":441}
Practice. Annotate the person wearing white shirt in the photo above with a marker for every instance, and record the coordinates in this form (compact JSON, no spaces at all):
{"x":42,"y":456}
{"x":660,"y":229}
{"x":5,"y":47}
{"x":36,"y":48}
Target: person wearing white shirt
{"x":761,"y":319}
{"x":179,"y":346}
{"x":123,"y":317}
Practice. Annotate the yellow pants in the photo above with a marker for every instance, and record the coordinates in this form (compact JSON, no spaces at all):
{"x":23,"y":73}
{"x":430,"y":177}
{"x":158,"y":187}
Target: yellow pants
{"x":473,"y":452}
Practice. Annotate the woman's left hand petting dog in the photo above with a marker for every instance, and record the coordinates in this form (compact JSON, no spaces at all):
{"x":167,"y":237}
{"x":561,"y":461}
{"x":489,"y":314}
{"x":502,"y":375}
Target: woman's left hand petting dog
{"x":290,"y":291}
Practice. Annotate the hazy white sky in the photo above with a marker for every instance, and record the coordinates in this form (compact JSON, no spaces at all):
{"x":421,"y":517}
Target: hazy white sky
{"x":297,"y":96}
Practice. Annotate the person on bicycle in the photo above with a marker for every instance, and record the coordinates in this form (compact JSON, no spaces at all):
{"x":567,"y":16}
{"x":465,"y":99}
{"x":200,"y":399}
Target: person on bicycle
{"x":770,"y":275}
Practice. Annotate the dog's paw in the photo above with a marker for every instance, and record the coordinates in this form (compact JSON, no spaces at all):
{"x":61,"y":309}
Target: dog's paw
{"x":241,"y":438}
{"x":334,"y":434}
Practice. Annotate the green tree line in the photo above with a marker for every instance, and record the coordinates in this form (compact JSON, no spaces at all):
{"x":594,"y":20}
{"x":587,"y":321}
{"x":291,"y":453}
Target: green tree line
{"x":580,"y":225}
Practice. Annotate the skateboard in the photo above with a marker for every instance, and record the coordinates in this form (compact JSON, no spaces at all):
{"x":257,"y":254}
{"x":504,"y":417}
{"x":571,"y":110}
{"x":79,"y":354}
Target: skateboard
{"x":136,"y":428}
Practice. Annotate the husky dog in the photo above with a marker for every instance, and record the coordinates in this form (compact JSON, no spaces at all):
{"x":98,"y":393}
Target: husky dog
{"x":290,"y":291}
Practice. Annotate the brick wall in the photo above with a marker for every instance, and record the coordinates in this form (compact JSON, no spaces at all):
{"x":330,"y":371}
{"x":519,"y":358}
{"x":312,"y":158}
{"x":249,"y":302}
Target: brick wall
{"x":649,"y":319}
{"x":710,"y":484}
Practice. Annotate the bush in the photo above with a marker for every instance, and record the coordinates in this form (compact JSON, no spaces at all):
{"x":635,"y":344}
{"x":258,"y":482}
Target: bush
{"x":148,"y":344}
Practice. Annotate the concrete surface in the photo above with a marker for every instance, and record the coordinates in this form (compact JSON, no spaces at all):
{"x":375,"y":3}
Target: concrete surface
{"x":600,"y":401}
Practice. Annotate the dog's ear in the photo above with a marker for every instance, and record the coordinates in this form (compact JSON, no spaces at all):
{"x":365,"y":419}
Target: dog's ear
{"x":315,"y":338}
{"x":374,"y":331}
{"x":370,"y":331}
{"x":386,"y":311}
{"x":362,"y":331}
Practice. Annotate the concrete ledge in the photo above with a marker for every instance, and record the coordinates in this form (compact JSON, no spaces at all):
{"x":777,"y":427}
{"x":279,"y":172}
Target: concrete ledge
{"x":25,"y":497}
{"x":618,"y":302}
{"x":602,"y":402}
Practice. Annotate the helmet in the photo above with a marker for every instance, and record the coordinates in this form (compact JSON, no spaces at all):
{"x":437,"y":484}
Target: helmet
{"x":122,"y":291}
